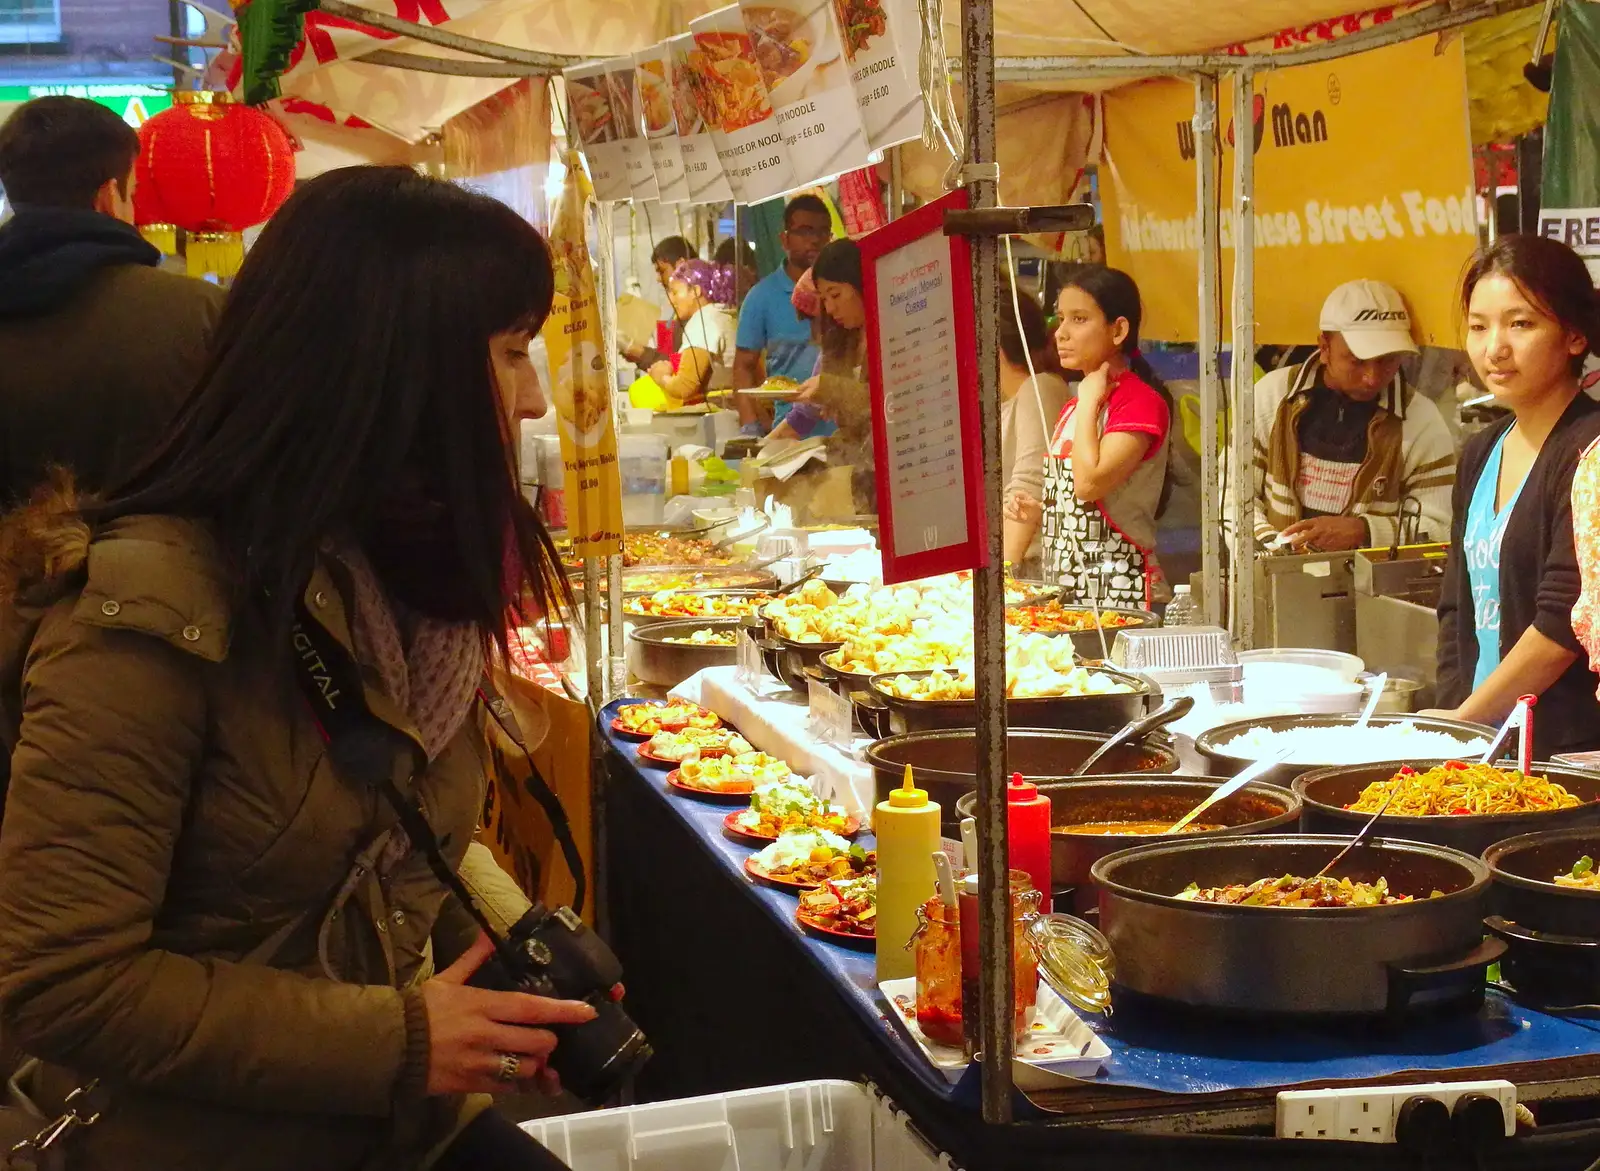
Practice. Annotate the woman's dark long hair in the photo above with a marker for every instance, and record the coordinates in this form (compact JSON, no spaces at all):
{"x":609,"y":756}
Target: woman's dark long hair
{"x":1549,"y":274}
{"x":1032,"y":337}
{"x":1118,"y":296}
{"x":840,"y":262}
{"x":348,"y":395}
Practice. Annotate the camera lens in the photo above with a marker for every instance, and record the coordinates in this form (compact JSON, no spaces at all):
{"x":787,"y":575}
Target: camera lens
{"x":595,"y":1059}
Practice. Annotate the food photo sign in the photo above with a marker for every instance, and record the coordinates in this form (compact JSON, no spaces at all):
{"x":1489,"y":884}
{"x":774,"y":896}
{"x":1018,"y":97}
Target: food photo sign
{"x":732,"y":95}
{"x":922,"y":370}
{"x":653,"y":71}
{"x":803,"y":66}
{"x":622,"y":92}
{"x":593,"y":122}
{"x":702,"y":167}
{"x":882,"y":55}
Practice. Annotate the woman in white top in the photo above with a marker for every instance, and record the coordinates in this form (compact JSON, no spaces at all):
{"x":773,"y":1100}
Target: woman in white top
{"x":1029,"y":408}
{"x":701,"y":294}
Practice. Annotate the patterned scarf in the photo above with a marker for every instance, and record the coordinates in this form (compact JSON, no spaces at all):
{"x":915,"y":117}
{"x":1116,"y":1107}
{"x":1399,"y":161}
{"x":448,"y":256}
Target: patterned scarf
{"x":430,"y":669}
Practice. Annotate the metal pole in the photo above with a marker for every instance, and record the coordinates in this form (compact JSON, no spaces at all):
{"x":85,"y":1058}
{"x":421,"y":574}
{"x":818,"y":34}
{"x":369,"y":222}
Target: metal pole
{"x":1205,"y":171}
{"x":896,"y":184}
{"x":593,"y":650}
{"x":1242,"y":450}
{"x":988,"y":594}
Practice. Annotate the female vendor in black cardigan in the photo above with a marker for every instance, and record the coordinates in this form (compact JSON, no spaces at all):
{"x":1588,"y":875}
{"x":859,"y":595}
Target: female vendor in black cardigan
{"x":1505,"y":614}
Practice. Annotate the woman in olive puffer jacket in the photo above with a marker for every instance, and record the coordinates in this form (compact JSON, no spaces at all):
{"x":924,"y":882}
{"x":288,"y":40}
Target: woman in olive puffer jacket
{"x":196,"y":907}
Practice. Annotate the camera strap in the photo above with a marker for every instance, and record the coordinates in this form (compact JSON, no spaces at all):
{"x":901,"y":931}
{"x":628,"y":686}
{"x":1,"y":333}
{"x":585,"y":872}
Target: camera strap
{"x":363,"y":746}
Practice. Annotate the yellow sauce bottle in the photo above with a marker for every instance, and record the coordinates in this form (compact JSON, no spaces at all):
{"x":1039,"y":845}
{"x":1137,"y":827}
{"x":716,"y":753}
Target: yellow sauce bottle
{"x":907,"y":828}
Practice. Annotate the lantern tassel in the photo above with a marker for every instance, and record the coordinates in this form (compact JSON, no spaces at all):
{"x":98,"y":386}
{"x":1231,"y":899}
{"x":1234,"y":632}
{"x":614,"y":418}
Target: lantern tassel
{"x":163,"y":236}
{"x":216,"y":254}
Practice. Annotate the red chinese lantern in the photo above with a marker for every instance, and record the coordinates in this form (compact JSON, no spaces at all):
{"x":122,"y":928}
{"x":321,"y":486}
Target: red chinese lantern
{"x":213,"y":168}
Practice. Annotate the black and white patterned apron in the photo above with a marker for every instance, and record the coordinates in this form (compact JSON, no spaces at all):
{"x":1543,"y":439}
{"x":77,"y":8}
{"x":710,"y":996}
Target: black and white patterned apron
{"x":1082,"y":549}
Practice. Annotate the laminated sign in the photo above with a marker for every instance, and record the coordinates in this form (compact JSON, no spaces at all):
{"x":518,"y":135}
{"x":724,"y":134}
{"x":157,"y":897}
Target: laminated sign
{"x":594,"y":122}
{"x":622,"y":93}
{"x":881,"y":43}
{"x":807,"y":77}
{"x":1571,"y":205}
{"x":702,"y":168}
{"x":580,"y":382}
{"x":731,"y":94}
{"x":653,"y":70}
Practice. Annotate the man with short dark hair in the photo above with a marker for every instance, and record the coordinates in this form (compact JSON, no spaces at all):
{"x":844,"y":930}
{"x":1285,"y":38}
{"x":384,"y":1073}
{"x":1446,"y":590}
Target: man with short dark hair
{"x":664,"y":258}
{"x":768,"y":323}
{"x":97,"y":345}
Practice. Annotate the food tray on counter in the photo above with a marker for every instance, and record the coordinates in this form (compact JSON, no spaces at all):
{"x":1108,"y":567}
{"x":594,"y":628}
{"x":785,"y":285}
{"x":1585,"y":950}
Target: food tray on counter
{"x":1060,"y":1045}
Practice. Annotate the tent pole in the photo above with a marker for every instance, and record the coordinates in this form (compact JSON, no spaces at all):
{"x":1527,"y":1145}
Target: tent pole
{"x":996,"y":969}
{"x":1242,"y":454}
{"x":896,"y":196}
{"x":1210,"y":329}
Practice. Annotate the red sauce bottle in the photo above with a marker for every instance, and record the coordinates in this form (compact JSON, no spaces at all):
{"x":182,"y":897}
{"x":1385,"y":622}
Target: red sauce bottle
{"x":1028,"y":823}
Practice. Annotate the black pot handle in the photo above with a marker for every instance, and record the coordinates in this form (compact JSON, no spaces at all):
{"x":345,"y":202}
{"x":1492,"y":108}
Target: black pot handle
{"x":772,"y":657}
{"x":871,"y":713}
{"x":1462,"y":974}
{"x":1559,"y":946}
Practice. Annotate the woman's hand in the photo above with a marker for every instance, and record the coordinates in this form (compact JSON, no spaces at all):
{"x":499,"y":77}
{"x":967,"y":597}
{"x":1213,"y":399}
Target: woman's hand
{"x":1023,"y":508}
{"x":469,"y":1029}
{"x":1094,"y":389}
{"x":661,"y":371}
{"x":808,"y":390}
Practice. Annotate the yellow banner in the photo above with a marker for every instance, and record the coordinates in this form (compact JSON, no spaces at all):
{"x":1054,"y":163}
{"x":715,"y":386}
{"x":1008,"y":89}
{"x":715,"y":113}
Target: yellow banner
{"x":1363,"y":169}
{"x":580,"y":371}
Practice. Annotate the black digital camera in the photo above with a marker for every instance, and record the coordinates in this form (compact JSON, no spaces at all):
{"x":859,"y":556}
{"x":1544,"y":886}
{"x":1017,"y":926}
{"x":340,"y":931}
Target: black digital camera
{"x":559,"y":957}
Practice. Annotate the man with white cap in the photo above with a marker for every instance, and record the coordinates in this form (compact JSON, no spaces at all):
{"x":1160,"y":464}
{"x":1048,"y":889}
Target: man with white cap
{"x":1347,"y":456}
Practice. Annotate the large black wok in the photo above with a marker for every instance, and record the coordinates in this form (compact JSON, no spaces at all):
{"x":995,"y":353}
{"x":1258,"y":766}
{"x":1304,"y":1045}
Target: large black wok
{"x":883,"y":713}
{"x":1214,"y":745}
{"x":1318,"y":962}
{"x":1255,"y":809}
{"x":1553,"y":932}
{"x":1325,"y":792}
{"x":945,"y":763}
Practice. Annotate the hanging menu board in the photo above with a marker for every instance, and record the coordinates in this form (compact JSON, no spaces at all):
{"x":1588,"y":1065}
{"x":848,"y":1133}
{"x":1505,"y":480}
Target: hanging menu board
{"x":622,"y":91}
{"x":653,"y":69}
{"x":803,"y":66}
{"x":922,"y":369}
{"x":733,"y":97}
{"x":702,"y":168}
{"x":591,"y":116}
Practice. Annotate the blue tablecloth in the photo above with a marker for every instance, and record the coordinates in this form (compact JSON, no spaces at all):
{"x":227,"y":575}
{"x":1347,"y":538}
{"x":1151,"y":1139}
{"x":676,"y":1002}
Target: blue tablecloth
{"x":1192,"y":1058}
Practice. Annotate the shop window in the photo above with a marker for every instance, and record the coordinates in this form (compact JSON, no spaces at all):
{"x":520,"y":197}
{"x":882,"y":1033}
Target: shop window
{"x":30,"y":22}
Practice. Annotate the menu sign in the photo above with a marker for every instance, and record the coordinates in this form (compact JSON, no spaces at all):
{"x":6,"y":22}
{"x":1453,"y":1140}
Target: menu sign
{"x":732,"y":96}
{"x":702,"y":169}
{"x":591,"y":116}
{"x":922,"y":369}
{"x":882,"y":53}
{"x":653,"y":71}
{"x":622,"y":89}
{"x":804,"y":69}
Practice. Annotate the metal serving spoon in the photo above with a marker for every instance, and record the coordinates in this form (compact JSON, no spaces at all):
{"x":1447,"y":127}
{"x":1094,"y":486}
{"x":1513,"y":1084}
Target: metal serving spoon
{"x":1167,"y":713}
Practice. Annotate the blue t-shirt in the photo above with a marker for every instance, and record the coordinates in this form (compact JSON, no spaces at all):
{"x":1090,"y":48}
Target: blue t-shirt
{"x":1481,"y":547}
{"x":768,"y":322}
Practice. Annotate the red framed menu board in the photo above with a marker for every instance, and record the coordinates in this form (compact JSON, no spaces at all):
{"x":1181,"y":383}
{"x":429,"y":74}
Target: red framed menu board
{"x":923,"y":373}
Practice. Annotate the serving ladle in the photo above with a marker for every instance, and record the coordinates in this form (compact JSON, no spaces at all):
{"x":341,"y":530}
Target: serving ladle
{"x":1167,"y":713}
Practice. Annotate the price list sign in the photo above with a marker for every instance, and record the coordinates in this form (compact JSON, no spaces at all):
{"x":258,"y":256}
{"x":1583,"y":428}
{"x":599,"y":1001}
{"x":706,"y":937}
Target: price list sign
{"x":922,"y":369}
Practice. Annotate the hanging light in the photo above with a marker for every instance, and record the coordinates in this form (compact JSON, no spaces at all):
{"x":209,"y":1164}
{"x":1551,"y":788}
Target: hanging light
{"x":213,"y":168}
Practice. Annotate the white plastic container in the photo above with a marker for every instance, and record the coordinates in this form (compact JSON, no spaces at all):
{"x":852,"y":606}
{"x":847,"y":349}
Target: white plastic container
{"x":806,"y":1126}
{"x":642,"y":464}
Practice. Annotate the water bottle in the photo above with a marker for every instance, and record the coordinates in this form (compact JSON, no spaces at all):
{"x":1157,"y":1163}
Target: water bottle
{"x":1182,"y":610}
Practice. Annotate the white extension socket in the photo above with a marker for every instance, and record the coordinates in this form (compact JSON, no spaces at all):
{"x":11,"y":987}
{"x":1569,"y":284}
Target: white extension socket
{"x":1366,"y":1114}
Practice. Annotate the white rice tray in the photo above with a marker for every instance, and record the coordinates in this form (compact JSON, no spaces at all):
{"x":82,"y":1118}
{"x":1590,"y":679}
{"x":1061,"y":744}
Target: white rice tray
{"x":1344,"y":744}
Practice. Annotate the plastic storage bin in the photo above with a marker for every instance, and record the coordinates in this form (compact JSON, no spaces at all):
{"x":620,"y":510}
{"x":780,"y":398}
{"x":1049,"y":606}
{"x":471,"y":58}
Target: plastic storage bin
{"x":806,"y":1126}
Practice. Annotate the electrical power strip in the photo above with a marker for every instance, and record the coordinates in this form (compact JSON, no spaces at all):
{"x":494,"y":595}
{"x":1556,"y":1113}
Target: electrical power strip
{"x":1367,"y":1114}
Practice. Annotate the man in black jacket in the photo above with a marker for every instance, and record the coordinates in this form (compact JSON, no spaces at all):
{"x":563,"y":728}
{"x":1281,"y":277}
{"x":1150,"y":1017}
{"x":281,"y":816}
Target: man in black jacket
{"x":98,"y":346}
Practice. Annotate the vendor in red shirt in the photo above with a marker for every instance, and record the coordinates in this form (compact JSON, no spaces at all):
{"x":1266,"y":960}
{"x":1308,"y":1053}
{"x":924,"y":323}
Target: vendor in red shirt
{"x":1106,"y":463}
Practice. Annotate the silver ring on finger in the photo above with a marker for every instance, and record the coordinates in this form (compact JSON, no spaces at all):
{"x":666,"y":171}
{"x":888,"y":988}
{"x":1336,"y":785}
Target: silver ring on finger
{"x":510,"y":1067}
